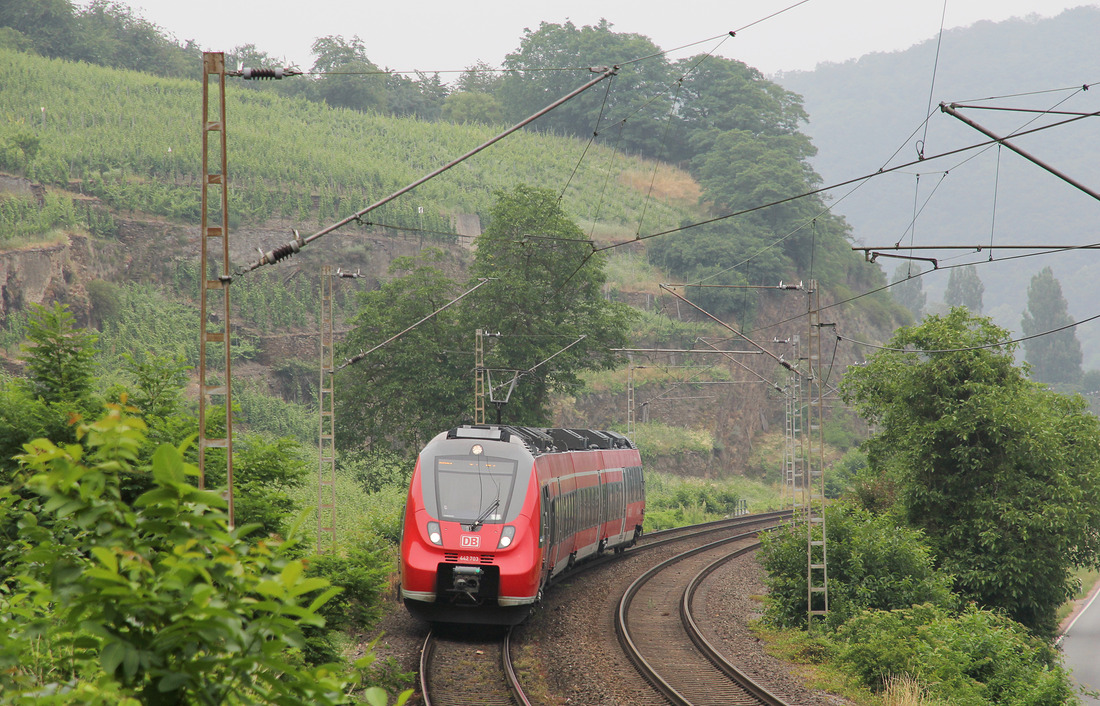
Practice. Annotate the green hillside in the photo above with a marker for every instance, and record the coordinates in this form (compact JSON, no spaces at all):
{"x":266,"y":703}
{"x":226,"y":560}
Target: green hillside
{"x":133,"y":140}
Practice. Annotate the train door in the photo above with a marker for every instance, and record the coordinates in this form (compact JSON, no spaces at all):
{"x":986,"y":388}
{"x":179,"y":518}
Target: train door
{"x":546,"y":532}
{"x":620,"y":503}
{"x":601,"y":499}
{"x":553,"y":534}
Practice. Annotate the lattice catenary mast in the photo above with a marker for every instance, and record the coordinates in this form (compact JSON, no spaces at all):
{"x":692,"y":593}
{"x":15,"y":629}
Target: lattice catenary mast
{"x":817,"y":555}
{"x":326,"y":463}
{"x":215,"y":277}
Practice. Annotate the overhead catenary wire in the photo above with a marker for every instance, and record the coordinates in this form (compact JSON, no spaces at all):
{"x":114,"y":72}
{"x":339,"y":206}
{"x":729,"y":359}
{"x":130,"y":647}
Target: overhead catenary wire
{"x":298,"y":242}
{"x":998,"y":344}
{"x":594,"y":248}
{"x":1042,"y":251}
{"x":363,"y":354}
{"x":854,"y":180}
{"x":932,"y":86}
{"x":952,"y":111}
{"x":977,"y":248}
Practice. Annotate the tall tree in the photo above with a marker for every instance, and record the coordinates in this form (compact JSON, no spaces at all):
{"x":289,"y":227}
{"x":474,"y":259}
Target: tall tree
{"x":111,"y":34}
{"x":49,"y":24}
{"x":463,"y":107}
{"x":406,"y":392}
{"x":421,"y":97}
{"x":965,"y":288}
{"x":1003,"y":475}
{"x":350,"y":79}
{"x":718,"y":95}
{"x":634,"y":104}
{"x":546,"y":295}
{"x":479,"y":77}
{"x":908,"y":289}
{"x":1054,"y":357}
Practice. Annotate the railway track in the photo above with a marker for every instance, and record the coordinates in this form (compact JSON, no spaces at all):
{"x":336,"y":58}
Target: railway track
{"x":661,"y":538}
{"x":462,"y":667}
{"x":659,"y":633}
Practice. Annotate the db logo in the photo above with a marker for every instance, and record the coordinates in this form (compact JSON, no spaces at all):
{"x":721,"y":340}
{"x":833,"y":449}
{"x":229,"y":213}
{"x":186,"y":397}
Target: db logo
{"x":471,"y":540}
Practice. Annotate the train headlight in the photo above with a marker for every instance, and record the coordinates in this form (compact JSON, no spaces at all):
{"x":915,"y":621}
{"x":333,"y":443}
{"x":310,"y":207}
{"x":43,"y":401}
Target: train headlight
{"x":506,"y":536}
{"x":434,"y":533}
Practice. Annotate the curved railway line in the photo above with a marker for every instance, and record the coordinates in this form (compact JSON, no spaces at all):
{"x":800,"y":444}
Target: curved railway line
{"x":473,"y":666}
{"x":658,"y":630}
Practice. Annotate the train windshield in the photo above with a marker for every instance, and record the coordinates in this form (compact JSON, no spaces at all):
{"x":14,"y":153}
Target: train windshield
{"x":474,"y":489}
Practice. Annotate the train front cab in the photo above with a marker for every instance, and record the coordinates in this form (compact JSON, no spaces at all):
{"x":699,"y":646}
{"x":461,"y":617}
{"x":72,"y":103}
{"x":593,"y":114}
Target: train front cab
{"x":471,"y":545}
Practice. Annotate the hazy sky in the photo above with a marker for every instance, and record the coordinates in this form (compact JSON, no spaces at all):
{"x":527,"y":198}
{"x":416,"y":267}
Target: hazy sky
{"x":449,"y":35}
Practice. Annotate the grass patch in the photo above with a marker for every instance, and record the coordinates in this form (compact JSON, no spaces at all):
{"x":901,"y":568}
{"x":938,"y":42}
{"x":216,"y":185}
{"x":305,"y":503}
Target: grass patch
{"x":631,"y":272}
{"x":358,"y":513}
{"x":675,"y":501}
{"x":657,"y":439}
{"x":664,"y":183}
{"x":1088,"y":579}
{"x":648,"y":378}
{"x":810,"y":657}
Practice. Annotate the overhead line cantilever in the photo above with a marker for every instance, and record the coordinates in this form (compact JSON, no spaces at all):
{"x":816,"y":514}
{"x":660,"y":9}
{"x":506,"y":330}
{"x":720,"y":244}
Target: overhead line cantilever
{"x":951,"y":110}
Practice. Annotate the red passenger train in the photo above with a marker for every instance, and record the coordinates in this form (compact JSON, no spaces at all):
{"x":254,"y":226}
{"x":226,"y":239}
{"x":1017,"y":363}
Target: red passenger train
{"x":495,"y":512}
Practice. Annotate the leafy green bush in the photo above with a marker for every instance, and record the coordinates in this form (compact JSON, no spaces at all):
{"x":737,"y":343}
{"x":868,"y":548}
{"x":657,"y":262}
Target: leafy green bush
{"x":873,"y":563}
{"x":840,"y":476}
{"x":156,"y":602}
{"x":976,"y":657}
{"x":843,"y":429}
{"x":362,"y":570}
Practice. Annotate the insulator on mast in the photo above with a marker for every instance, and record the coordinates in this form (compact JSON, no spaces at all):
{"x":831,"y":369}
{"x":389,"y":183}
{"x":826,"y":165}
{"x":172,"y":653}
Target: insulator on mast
{"x":249,"y":74}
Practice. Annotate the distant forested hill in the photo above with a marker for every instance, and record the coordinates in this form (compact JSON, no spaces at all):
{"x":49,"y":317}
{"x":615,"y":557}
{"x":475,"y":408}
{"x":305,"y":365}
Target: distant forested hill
{"x":867,"y":114}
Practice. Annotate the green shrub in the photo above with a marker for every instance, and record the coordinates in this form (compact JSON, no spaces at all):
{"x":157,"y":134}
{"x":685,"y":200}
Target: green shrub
{"x":976,"y":657}
{"x":266,"y":475}
{"x":873,"y":564}
{"x":154,"y":602}
{"x":657,"y":439}
{"x":673,"y":501}
{"x":362,"y":570}
{"x":840,"y":476}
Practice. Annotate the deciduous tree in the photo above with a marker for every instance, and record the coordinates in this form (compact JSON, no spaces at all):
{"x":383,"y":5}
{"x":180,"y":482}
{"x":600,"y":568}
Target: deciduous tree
{"x":1002,"y":474}
{"x":351,"y":80}
{"x":546,"y":293}
{"x":411,"y":389}
{"x":640,"y":91}
{"x":545,"y":299}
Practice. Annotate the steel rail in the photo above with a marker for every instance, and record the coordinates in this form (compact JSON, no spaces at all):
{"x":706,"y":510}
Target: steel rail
{"x":427,"y":654}
{"x":706,"y":647}
{"x":622,"y":630}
